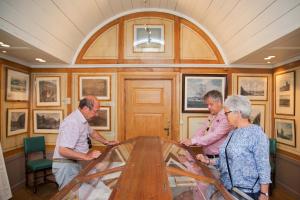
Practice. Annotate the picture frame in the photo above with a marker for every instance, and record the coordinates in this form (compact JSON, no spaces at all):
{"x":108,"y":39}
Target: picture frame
{"x":102,"y":121}
{"x":285,"y":93}
{"x":17,"y":85}
{"x":47,"y":121}
{"x":258,"y":115}
{"x":148,"y":38}
{"x":195,"y":86}
{"x":194,"y":123}
{"x":254,"y":87}
{"x":17,"y":121}
{"x":98,"y":86}
{"x":47,"y":90}
{"x":285,"y":131}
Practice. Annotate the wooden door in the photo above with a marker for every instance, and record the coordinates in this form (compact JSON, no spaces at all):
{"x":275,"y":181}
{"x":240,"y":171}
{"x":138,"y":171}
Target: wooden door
{"x":148,"y":108}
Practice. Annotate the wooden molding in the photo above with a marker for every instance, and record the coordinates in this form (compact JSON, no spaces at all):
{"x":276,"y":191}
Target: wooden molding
{"x":287,"y":66}
{"x":291,"y":155}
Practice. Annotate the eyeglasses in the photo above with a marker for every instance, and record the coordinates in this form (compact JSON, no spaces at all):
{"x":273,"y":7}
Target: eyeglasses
{"x":227,"y":113}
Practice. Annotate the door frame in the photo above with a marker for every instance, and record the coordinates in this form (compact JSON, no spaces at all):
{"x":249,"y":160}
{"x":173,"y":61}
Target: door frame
{"x":175,"y":107}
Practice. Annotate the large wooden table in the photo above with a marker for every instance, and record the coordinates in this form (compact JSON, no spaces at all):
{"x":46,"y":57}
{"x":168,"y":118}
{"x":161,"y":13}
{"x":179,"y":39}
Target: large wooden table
{"x":146,"y":172}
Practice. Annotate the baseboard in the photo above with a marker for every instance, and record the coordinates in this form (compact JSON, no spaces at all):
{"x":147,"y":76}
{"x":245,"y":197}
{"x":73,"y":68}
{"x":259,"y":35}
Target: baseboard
{"x":17,"y":186}
{"x":291,"y":191}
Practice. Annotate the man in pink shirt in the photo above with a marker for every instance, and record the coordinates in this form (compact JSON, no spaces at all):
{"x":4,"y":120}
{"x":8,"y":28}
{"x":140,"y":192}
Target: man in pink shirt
{"x":213,"y":133}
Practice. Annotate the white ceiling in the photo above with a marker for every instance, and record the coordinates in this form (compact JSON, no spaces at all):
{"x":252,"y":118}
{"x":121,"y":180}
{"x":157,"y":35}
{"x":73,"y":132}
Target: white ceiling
{"x":245,"y":31}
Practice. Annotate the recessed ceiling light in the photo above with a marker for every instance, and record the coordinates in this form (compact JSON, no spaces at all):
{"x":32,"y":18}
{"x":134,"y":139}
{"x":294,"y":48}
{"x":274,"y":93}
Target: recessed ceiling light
{"x":40,"y":60}
{"x":269,"y":62}
{"x":5,"y":45}
{"x":272,"y":56}
{"x":267,"y":58}
{"x":4,"y":51}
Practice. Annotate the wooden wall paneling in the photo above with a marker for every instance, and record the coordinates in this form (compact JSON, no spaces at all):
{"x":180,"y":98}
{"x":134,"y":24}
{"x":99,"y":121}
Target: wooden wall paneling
{"x":15,"y":141}
{"x":69,"y":93}
{"x":80,"y":60}
{"x":207,"y":39}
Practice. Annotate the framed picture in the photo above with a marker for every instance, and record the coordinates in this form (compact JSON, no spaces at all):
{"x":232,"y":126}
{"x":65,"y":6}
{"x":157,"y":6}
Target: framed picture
{"x":17,"y":86}
{"x":194,"y":123}
{"x":148,"y":38}
{"x":47,"y":121}
{"x":258,"y":115}
{"x":195,"y":86}
{"x":254,"y":87}
{"x":285,"y":93}
{"x":98,"y":86}
{"x":285,"y":131}
{"x":48,"y":91}
{"x":17,"y":121}
{"x":102,"y":121}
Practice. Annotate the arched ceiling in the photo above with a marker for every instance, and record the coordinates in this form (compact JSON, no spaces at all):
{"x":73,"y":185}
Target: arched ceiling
{"x":245,"y":31}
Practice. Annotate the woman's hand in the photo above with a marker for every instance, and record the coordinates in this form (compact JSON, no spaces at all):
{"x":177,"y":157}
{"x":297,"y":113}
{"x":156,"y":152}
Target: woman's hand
{"x":203,"y":158}
{"x":263,"y":197}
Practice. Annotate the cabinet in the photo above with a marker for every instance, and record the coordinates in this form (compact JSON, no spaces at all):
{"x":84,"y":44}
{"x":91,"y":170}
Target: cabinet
{"x":145,"y":168}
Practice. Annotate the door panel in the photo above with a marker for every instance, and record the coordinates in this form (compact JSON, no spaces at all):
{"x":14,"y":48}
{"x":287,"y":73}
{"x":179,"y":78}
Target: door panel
{"x":148,"y":108}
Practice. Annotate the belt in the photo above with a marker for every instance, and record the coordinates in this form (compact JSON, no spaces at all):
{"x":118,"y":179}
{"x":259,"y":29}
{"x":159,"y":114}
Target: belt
{"x":64,"y":160}
{"x":213,"y":156}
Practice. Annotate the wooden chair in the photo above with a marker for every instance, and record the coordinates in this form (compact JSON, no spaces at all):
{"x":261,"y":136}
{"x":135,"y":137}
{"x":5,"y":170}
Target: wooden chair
{"x":35,"y":145}
{"x":273,"y":149}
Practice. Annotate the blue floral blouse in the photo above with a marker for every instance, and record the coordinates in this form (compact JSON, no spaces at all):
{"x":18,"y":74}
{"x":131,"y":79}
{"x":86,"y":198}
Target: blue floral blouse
{"x":248,"y":159}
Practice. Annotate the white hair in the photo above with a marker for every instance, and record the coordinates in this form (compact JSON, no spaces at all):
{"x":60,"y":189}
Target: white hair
{"x":239,"y":103}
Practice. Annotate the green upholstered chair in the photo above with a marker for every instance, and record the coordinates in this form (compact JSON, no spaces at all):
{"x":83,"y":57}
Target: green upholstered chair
{"x":35,"y":145}
{"x":273,"y":148}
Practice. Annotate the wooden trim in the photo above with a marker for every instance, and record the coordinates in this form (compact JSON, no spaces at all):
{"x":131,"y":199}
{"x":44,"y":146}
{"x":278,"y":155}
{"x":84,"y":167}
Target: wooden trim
{"x":98,"y":174}
{"x":286,"y":66}
{"x":177,"y":39}
{"x":121,"y":41}
{"x":206,"y":38}
{"x":177,"y":21}
{"x":13,"y":152}
{"x":288,"y":154}
{"x":123,"y":76}
{"x":69,"y":92}
{"x":149,"y":14}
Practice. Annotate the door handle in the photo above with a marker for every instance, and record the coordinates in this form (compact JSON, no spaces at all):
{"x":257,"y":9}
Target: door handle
{"x":168,"y":131}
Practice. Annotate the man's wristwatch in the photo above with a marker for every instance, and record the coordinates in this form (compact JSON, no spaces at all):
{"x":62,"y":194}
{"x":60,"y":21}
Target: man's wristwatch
{"x":265,"y":193}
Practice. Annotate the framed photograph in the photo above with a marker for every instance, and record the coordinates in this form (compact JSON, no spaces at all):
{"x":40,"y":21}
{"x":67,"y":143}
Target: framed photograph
{"x":195,"y":86}
{"x":194,"y":123}
{"x":254,"y":87}
{"x":258,"y":115}
{"x":17,"y":85}
{"x":17,"y":121}
{"x":98,"y":86}
{"x":47,"y":121}
{"x":285,"y":93}
{"x":48,"y":91}
{"x":148,"y":38}
{"x":285,"y":131}
{"x":102,"y":121}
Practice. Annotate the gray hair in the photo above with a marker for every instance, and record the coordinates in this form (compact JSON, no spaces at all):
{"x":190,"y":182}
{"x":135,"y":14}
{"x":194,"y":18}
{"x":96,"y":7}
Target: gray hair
{"x":215,"y":95}
{"x":239,"y":103}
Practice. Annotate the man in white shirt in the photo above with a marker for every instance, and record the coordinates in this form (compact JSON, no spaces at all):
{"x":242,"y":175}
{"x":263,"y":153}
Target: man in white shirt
{"x":72,"y":145}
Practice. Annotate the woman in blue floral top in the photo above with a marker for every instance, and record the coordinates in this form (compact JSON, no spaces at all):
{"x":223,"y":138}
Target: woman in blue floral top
{"x":244,"y":155}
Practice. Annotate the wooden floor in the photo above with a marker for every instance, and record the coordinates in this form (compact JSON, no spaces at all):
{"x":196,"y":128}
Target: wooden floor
{"x":46,"y":191}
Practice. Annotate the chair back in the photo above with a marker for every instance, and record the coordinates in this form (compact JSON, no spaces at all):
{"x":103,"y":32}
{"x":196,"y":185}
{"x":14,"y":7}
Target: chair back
{"x":34,"y":144}
{"x":273,"y":146}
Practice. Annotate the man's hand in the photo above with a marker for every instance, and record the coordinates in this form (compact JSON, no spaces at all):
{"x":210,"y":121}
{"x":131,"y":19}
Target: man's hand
{"x":93,"y":154}
{"x":202,"y":158}
{"x":186,"y":142}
